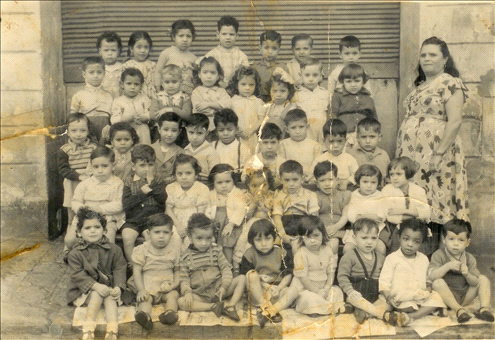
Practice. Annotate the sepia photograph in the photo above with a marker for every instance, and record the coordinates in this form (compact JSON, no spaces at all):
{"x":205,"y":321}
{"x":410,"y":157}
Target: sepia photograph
{"x":263,"y":169}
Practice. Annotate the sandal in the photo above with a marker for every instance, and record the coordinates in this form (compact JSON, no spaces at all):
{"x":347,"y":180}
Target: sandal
{"x":390,"y":317}
{"x":360,"y":315}
{"x":231,"y":313}
{"x":169,"y":317}
{"x":463,"y":316}
{"x":484,"y":314}
{"x":144,"y":319}
{"x":403,"y":319}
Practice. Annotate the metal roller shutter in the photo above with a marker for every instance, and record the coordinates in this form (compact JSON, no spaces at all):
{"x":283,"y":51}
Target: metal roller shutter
{"x":376,"y":24}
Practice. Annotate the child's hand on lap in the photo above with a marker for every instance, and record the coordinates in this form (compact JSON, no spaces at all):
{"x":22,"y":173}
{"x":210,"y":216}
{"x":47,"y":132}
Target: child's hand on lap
{"x":188,"y":299}
{"x":115,"y":293}
{"x":142,"y":295}
{"x":421,"y":294}
{"x":274,"y":291}
{"x":166,"y":287}
{"x":221,"y":293}
{"x":454,"y":265}
{"x":355,"y":295}
{"x":323,"y":293}
{"x":101,"y":289}
{"x":464,"y":269}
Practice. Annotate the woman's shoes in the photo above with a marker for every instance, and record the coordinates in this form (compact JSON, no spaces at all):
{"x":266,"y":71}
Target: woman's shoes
{"x":462,"y":315}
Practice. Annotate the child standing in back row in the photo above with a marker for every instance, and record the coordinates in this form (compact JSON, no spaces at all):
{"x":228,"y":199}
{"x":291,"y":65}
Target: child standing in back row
{"x":349,"y":52}
{"x":228,"y":55}
{"x":182,"y":34}
{"x":109,"y":47}
{"x":302,"y":45}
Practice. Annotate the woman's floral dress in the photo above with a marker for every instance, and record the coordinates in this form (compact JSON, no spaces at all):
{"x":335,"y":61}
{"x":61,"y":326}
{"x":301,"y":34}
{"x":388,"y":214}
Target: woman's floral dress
{"x":420,"y":134}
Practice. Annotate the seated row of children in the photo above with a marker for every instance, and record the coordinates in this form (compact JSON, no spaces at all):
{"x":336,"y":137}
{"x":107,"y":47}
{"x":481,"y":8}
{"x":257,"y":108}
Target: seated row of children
{"x":399,"y":288}
{"x":139,"y":91}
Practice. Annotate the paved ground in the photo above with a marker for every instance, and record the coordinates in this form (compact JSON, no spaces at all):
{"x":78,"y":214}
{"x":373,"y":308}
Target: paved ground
{"x":33,"y":305}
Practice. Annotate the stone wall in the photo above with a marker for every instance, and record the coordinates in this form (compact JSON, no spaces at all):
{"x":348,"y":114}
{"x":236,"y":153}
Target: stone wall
{"x":32,"y":93}
{"x":469,"y":32}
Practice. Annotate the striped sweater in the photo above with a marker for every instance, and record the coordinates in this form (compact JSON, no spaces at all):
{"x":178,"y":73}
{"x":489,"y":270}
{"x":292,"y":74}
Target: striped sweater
{"x":72,"y":157}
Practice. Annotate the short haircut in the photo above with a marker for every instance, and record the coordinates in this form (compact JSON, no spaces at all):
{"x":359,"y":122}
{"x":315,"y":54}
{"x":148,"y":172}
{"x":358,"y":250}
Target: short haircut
{"x":323,"y":168}
{"x":200,"y":221}
{"x":414,"y":224}
{"x":225,"y":116}
{"x":219,"y":169}
{"x":173,"y":70}
{"x":209,"y":60}
{"x":143,"y":152}
{"x":334,"y":127}
{"x":312,"y":62}
{"x":169,"y":117}
{"x":291,"y":166}
{"x":76,"y":117}
{"x":185,"y":159}
{"x":85,"y":213}
{"x":124,"y":126}
{"x":295,"y":115}
{"x":302,"y":36}
{"x":103,"y":151}
{"x":228,"y":20}
{"x":198,"y":120}
{"x":109,"y":36}
{"x":353,"y":71}
{"x":261,"y":227}
{"x":349,"y":41}
{"x":182,"y":24}
{"x":159,"y":220}
{"x":308,"y":224}
{"x":132,"y":72}
{"x":272,"y":36}
{"x":92,"y":61}
{"x":369,"y":170}
{"x":271,"y":130}
{"x":457,"y":226}
{"x":405,"y":163}
{"x":364,"y":224}
{"x":369,"y":123}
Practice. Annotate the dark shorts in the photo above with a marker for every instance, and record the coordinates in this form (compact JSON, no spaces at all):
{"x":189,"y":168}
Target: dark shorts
{"x":137,"y":227}
{"x":390,"y":236}
{"x":457,"y":284}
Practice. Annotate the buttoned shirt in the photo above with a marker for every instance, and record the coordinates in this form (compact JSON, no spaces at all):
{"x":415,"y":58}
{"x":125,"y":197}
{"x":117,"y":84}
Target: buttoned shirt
{"x":92,"y":101}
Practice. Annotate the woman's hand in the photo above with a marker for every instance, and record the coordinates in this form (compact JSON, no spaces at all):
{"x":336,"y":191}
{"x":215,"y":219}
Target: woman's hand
{"x":435,"y":162}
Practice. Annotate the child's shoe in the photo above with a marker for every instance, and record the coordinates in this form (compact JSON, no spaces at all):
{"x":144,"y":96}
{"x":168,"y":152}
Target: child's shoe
{"x":169,"y":317}
{"x":111,"y":336}
{"x":231,"y":313}
{"x":484,"y":314}
{"x":462,"y":316}
{"x":88,"y":335}
{"x":347,"y":308}
{"x":144,"y":319}
{"x":217,"y":308}
{"x":390,"y":317}
{"x":360,"y":315}
{"x":403,"y":319}
{"x":262,"y":318}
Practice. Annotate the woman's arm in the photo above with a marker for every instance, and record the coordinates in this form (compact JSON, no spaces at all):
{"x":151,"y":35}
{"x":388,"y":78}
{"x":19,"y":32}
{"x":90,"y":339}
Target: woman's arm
{"x":453,"y":108}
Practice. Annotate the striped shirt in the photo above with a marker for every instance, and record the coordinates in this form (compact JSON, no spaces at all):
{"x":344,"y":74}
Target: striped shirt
{"x":72,"y":157}
{"x":192,"y":260}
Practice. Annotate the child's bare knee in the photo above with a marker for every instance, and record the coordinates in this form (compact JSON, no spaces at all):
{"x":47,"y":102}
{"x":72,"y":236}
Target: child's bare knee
{"x":438,"y":284}
{"x":182,"y":305}
{"x":252,"y":276}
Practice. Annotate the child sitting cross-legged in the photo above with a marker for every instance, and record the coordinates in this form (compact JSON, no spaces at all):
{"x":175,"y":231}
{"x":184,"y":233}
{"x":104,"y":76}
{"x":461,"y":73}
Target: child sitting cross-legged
{"x":332,"y":202}
{"x":198,"y":147}
{"x":98,"y":273}
{"x":291,"y":204}
{"x":144,"y":195}
{"x":359,"y":271}
{"x":156,"y":271}
{"x":267,"y":268}
{"x":299,"y":147}
{"x":205,"y":275}
{"x":403,"y":280}
{"x":455,"y":274}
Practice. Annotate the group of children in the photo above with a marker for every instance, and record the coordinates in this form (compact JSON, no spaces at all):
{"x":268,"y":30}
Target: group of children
{"x":243,"y":177}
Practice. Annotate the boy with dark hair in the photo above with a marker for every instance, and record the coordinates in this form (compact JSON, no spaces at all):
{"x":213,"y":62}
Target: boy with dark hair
{"x":349,"y":52}
{"x":198,"y":147}
{"x":93,"y":100}
{"x":109,"y":47}
{"x":302,"y":45}
{"x":228,"y":55}
{"x":143,"y":196}
{"x":455,"y":274}
{"x":334,"y":138}
{"x":270,"y":42}
{"x":367,"y":151}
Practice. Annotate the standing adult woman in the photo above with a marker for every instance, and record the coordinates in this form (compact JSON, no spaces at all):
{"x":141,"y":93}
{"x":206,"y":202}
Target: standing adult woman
{"x":429,"y":133}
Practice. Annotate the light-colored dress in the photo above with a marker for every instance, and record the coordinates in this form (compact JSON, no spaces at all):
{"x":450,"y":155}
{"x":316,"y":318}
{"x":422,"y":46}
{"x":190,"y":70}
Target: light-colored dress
{"x":135,"y":111}
{"x":186,"y":203}
{"x":184,"y":59}
{"x":147,"y":68}
{"x":420,"y":134}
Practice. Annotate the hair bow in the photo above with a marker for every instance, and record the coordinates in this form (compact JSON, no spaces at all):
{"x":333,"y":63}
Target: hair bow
{"x":284,"y":76}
